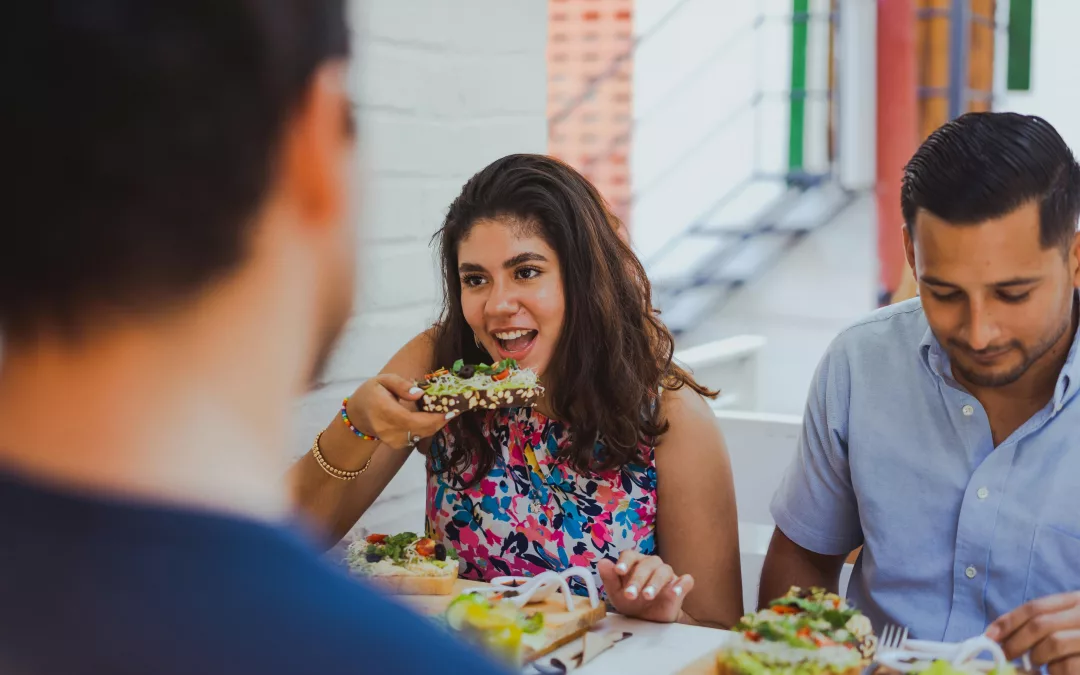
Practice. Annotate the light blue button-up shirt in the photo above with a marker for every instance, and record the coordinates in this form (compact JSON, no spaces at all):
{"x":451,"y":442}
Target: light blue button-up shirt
{"x":897,"y":456}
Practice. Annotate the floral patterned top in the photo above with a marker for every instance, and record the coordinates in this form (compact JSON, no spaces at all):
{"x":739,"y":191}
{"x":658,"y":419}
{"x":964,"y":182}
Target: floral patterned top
{"x":533,"y":512}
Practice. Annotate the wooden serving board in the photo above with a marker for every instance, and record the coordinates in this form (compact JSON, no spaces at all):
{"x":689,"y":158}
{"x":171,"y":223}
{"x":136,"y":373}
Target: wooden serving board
{"x":560,"y":626}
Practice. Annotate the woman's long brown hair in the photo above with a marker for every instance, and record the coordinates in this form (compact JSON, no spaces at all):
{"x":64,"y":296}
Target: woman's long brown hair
{"x":614,"y":353}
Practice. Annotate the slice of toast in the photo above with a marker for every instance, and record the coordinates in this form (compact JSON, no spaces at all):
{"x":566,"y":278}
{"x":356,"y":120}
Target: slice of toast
{"x":748,"y":657}
{"x":723,"y":666}
{"x":410,"y":584}
{"x":479,"y":399}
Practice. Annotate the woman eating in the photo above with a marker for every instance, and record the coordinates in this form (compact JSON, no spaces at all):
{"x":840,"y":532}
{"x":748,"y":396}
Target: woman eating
{"x":618,"y":466}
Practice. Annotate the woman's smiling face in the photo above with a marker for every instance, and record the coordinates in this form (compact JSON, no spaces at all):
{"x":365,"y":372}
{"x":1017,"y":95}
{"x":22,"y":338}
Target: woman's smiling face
{"x":512,"y":291}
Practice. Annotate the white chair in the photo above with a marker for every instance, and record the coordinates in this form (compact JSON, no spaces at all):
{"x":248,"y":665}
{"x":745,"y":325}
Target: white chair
{"x":761,"y":446}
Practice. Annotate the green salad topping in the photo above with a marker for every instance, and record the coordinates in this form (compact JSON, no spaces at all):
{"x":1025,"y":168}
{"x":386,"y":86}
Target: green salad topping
{"x":462,"y":378}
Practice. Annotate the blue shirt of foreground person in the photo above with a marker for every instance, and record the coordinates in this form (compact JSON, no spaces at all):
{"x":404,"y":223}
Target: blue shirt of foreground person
{"x":942,"y":434}
{"x":177,"y":262}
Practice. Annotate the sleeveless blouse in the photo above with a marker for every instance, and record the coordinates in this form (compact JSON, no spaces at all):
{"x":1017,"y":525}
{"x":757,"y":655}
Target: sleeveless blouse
{"x":533,"y":512}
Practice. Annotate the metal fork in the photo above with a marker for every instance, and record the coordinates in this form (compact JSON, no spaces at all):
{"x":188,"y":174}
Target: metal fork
{"x":892,"y":637}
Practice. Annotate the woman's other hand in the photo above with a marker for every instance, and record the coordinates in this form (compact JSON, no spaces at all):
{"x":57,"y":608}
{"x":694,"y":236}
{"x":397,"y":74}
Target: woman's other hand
{"x":644,"y":587}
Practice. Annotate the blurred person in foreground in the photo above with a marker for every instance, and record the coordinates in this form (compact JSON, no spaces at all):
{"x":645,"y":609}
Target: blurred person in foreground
{"x":940,"y":433}
{"x":177,"y":265}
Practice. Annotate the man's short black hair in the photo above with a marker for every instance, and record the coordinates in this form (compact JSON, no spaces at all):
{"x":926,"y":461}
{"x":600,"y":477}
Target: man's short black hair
{"x":139,"y":138}
{"x":982,"y":166}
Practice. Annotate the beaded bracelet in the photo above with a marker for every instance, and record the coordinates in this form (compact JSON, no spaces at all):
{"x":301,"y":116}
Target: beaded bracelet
{"x":332,"y":471}
{"x":345,"y":418}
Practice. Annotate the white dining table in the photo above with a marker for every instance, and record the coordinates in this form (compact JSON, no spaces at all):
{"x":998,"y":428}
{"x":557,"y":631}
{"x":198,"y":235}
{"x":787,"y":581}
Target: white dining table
{"x":652,"y":648}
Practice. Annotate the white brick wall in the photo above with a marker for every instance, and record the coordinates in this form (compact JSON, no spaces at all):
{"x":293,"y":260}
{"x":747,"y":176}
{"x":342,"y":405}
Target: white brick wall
{"x":443,"y":88}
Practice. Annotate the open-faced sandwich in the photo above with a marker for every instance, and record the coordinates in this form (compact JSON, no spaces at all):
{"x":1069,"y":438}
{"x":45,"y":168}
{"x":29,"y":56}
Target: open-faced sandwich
{"x":497,"y":626}
{"x":466,"y":387}
{"x":806,"y":632}
{"x":405,"y":564}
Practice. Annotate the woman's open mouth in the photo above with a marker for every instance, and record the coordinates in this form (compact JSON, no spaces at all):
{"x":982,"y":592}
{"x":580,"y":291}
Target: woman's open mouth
{"x":514,"y":343}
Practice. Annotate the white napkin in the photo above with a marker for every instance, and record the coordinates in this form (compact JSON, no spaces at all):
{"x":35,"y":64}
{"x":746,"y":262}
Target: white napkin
{"x":575,"y":654}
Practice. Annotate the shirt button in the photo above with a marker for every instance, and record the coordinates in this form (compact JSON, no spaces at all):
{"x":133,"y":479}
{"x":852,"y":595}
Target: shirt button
{"x":983,"y":493}
{"x":968,"y":410}
{"x":970,"y":572}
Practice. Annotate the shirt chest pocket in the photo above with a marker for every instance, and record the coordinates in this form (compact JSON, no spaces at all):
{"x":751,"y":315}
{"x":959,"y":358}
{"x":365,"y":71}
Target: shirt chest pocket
{"x":1055,"y":561}
{"x":1053,"y":490}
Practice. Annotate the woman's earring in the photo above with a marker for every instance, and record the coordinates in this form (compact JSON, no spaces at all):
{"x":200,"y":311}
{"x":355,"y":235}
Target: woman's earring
{"x":477,"y":341}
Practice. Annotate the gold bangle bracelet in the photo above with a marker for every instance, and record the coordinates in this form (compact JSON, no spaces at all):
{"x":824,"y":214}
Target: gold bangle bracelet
{"x":334,"y":472}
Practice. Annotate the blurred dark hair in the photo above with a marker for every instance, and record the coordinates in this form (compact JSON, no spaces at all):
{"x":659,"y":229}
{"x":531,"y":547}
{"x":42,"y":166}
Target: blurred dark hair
{"x":986,"y":165}
{"x":142,"y":137}
{"x":614,"y":354}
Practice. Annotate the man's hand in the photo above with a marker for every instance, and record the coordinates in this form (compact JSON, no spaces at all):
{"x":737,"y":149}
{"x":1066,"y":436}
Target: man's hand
{"x":1048,"y":628}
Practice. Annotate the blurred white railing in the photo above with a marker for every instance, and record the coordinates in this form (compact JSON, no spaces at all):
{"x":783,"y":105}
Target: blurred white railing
{"x":730,"y":365}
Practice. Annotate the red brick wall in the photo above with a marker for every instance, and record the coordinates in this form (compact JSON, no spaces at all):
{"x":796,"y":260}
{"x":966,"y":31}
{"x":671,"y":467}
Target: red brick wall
{"x":589,"y":39}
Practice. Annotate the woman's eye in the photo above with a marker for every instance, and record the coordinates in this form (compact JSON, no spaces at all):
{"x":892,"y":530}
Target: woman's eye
{"x":472,"y":280}
{"x":528,"y":273}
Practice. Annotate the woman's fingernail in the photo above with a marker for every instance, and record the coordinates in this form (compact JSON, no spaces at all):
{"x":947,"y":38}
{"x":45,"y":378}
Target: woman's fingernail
{"x":621,"y":568}
{"x":677,"y":591}
{"x":451,"y":415}
{"x":631,"y":592}
{"x":649,"y":592}
{"x":416,"y":390}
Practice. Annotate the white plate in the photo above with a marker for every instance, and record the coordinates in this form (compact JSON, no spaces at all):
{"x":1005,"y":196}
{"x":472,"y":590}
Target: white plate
{"x":962,"y":654}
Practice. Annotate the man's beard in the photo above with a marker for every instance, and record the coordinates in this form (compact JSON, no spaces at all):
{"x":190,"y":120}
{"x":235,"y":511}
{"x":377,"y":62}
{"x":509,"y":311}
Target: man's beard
{"x":1030,"y":357}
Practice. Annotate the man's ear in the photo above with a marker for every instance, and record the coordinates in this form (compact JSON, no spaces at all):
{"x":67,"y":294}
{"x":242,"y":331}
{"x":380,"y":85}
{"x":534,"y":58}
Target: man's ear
{"x":909,"y":251}
{"x":1074,"y":259}
{"x":317,"y":141}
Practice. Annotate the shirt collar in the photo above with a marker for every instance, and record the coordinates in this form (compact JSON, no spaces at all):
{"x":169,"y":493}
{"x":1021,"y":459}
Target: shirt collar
{"x":1068,"y":382}
{"x":933,"y":356}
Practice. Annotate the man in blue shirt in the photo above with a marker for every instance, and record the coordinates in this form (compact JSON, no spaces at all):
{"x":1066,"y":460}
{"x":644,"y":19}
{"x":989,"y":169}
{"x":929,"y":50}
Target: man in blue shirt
{"x":941,"y":434}
{"x":177,"y":262}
